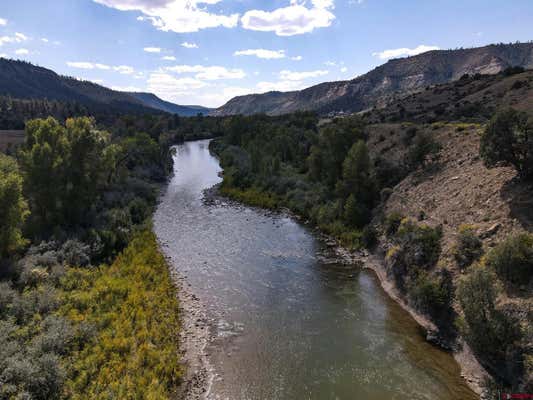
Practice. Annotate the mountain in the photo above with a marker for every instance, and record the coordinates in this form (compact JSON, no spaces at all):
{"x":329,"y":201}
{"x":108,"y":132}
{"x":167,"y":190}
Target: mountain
{"x":23,"y":80}
{"x":405,"y":75}
{"x":151,"y":100}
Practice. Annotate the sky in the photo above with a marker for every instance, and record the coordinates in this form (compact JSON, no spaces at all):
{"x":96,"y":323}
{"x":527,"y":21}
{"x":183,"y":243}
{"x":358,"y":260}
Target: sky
{"x":207,"y":51}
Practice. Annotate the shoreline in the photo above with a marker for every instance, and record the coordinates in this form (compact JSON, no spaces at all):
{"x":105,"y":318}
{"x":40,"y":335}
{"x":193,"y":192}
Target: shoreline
{"x":194,"y":338}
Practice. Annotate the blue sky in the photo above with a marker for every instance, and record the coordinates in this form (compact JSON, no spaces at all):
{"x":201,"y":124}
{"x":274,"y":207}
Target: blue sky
{"x":207,"y":51}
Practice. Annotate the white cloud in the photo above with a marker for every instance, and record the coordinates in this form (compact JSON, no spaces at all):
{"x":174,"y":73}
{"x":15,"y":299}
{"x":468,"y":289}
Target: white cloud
{"x":3,"y":55}
{"x":45,"y":40}
{"x":152,"y":49}
{"x":127,"y":88}
{"x":21,"y":52}
{"x":261,"y":53}
{"x":87,"y":65}
{"x":295,"y":19}
{"x":121,"y":69}
{"x":404,"y":51}
{"x":344,"y":69}
{"x":176,"y":15}
{"x":124,"y":69}
{"x":208,"y":73}
{"x":297,"y":58}
{"x":189,"y":45}
{"x":3,"y":22}
{"x":286,"y":75}
{"x":17,"y":38}
{"x":168,"y":58}
{"x":168,"y":86}
{"x":280,"y":86}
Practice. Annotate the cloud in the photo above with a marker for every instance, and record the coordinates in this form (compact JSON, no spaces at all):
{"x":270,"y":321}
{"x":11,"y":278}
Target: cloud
{"x":21,"y":52}
{"x":87,"y":65}
{"x":261,"y":53}
{"x":168,"y":58}
{"x":210,"y":73}
{"x":344,"y":69}
{"x":16,"y":38}
{"x":121,"y":69}
{"x":45,"y":40}
{"x":124,"y":69}
{"x":179,"y":16}
{"x":166,"y":85}
{"x":152,"y":49}
{"x":298,"y":76}
{"x":3,"y":22}
{"x":297,"y":58}
{"x":280,"y":86}
{"x":189,"y":45}
{"x":295,"y":19}
{"x":127,"y":88}
{"x":404,"y":51}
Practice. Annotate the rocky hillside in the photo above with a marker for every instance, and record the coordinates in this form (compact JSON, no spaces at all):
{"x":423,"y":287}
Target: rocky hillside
{"x":406,"y":75}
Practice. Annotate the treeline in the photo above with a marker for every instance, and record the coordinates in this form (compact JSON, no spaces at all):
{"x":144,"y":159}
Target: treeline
{"x":71,"y":199}
{"x":323,"y":173}
{"x":15,"y":113}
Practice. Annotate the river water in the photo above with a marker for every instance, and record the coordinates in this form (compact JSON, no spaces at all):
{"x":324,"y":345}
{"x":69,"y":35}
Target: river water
{"x":285,"y":325}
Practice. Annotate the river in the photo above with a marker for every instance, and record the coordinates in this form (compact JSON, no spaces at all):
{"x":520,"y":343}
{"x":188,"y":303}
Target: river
{"x":283,"y":324}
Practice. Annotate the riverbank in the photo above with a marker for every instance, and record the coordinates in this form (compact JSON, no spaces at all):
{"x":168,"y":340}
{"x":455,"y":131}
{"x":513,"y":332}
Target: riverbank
{"x":471,"y":370}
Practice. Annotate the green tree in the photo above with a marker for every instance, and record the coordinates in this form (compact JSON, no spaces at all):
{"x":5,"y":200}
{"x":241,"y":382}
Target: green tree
{"x":508,"y":140}
{"x":469,"y":247}
{"x":13,"y":207}
{"x":486,"y":327}
{"x":358,"y":184}
{"x":513,"y":259}
{"x":43,"y":162}
{"x":423,"y":151}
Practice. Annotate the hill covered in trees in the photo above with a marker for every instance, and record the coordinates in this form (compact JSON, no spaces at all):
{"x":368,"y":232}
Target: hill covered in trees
{"x":399,"y":76}
{"x":22,"y":80}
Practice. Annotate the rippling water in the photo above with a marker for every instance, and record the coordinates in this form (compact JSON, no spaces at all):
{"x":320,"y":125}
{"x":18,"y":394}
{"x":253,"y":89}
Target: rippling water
{"x":286,"y":326}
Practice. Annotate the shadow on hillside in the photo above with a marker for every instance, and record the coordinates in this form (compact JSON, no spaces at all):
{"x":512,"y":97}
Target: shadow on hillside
{"x":519,"y":196}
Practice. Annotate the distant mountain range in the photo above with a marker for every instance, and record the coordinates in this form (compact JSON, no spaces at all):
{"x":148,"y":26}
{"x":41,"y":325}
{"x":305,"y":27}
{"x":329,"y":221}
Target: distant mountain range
{"x":151,"y":100}
{"x":23,"y":80}
{"x":375,"y":88}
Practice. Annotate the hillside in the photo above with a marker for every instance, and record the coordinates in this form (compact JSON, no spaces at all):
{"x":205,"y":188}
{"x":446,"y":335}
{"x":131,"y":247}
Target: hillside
{"x":151,"y":100}
{"x":472,"y":98}
{"x":23,"y":80}
{"x":405,"y":75}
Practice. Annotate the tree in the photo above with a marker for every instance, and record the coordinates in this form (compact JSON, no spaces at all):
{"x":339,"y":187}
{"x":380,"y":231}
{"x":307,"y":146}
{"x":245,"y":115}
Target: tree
{"x":424,"y":149}
{"x":513,"y":259}
{"x":508,"y":140}
{"x":62,"y":168}
{"x":13,"y":206}
{"x":358,"y":184}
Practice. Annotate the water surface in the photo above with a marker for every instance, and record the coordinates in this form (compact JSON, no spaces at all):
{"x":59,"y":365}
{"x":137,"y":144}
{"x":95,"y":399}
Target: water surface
{"x":285,"y":325}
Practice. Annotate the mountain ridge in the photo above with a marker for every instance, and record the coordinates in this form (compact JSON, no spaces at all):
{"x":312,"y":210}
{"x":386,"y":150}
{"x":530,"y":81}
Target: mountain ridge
{"x":401,"y":75}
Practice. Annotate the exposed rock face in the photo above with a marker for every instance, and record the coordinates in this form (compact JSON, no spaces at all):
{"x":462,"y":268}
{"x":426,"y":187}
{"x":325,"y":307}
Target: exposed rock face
{"x":403,"y":75}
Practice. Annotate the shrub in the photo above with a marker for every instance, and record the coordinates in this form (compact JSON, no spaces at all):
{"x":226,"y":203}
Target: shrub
{"x":508,"y":140}
{"x":420,"y":242}
{"x":469,"y":247}
{"x":513,"y":259}
{"x":432,"y":294}
{"x":392,"y":223}
{"x":369,"y":237}
{"x":489,"y":331}
{"x":424,"y":150}
{"x":75,"y":253}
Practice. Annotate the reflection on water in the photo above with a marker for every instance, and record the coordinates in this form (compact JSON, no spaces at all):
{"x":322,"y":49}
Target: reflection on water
{"x":285,"y":325}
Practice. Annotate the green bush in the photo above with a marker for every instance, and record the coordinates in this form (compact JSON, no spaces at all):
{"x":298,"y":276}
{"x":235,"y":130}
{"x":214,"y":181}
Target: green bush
{"x":469,"y":247}
{"x":491,"y":332}
{"x":392,"y":223}
{"x":432,"y":294}
{"x":513,"y":259}
{"x":508,"y":140}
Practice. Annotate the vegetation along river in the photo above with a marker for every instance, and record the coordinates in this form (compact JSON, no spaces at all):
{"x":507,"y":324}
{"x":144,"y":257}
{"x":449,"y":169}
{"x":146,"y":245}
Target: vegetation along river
{"x":283,"y":323}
